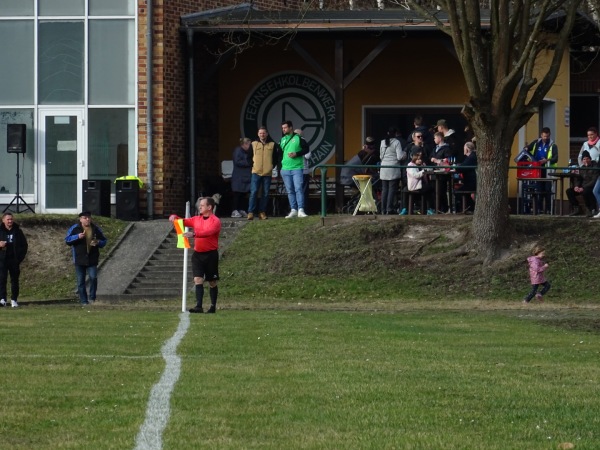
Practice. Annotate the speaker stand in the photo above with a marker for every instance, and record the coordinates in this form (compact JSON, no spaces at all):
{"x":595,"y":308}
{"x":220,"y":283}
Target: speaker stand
{"x":17,"y":196}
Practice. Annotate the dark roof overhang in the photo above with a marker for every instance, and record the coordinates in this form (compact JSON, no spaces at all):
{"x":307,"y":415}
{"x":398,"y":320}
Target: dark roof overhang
{"x":246,"y":17}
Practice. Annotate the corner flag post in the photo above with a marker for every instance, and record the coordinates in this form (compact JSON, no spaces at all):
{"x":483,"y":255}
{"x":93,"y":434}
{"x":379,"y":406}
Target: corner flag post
{"x":185,"y":259}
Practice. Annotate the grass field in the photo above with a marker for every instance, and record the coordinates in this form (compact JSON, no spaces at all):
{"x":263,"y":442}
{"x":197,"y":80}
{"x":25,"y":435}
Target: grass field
{"x":418,"y":378}
{"x":359,"y":335}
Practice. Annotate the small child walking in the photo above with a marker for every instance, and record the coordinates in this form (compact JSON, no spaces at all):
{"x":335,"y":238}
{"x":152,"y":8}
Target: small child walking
{"x":536,"y":272}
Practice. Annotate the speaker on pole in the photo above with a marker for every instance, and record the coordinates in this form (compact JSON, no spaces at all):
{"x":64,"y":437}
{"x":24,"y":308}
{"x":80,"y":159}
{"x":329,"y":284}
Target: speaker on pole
{"x":16,"y":138}
{"x":96,"y":197}
{"x":128,"y":200}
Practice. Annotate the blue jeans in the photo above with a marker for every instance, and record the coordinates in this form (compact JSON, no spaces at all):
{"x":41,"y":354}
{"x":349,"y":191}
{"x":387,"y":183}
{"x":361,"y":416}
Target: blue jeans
{"x":92,"y":273}
{"x":255,"y":184}
{"x":294,"y":181}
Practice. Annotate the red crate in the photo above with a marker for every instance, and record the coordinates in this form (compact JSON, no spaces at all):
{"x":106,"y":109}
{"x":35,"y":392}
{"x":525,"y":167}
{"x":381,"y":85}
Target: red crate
{"x":529,"y":169}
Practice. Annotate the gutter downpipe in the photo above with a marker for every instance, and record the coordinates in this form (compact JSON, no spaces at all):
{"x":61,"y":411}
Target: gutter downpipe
{"x":190,"y":43}
{"x":150,"y":110}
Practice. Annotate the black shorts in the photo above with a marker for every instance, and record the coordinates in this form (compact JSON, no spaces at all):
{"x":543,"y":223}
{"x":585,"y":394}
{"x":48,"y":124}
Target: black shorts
{"x":206,"y":265}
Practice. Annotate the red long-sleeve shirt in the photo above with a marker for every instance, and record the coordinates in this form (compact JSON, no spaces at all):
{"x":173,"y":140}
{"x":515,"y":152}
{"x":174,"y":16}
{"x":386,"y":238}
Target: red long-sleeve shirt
{"x":206,"y":230}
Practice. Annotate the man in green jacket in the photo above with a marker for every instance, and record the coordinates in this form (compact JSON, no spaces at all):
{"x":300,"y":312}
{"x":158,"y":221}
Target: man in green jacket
{"x":292,"y":169}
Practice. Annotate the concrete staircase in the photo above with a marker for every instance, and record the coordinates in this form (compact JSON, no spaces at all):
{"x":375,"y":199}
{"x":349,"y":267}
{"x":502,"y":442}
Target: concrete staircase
{"x":162,"y":274}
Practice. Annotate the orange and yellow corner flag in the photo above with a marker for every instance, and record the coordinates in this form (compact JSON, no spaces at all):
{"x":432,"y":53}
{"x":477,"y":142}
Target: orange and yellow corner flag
{"x":182,"y":241}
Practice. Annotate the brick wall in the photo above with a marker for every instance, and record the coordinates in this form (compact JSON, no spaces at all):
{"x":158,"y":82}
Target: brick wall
{"x":170,"y":151}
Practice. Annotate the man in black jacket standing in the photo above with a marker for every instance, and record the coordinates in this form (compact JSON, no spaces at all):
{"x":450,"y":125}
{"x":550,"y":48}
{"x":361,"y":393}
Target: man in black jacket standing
{"x":85,"y":239}
{"x":13,"y":248}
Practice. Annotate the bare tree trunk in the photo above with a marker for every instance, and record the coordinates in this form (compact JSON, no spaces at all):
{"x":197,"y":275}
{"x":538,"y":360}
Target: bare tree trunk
{"x":491,"y":219}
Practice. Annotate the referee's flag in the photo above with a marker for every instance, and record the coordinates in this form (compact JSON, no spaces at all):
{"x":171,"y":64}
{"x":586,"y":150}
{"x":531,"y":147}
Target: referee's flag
{"x":182,"y":241}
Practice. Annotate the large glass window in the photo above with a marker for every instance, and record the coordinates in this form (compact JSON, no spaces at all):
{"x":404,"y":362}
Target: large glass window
{"x":112,"y":8}
{"x":60,"y":63}
{"x":111,"y":143}
{"x":16,"y":75}
{"x":16,"y":8}
{"x":8,"y":161}
{"x":111,"y":45}
{"x":61,"y":7}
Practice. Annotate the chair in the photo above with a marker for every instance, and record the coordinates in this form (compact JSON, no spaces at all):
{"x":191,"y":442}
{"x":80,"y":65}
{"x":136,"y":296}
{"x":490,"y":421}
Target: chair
{"x":227,"y":169}
{"x":366,"y":202}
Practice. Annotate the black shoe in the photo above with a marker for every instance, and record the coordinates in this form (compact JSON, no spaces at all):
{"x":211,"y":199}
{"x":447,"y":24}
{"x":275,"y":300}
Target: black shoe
{"x":197,"y":310}
{"x":211,"y":310}
{"x":575,"y":211}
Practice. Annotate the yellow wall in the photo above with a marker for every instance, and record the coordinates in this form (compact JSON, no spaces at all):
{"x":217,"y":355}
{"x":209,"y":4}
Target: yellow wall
{"x":415,"y":72}
{"x":407,"y":72}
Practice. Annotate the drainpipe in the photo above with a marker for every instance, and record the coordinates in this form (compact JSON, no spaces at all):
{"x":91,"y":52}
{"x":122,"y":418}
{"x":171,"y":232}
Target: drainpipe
{"x":191,"y":121}
{"x":149,"y":110}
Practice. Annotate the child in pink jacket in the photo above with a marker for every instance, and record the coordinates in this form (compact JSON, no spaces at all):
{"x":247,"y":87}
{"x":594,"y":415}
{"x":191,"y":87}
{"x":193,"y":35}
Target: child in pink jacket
{"x":536,"y":272}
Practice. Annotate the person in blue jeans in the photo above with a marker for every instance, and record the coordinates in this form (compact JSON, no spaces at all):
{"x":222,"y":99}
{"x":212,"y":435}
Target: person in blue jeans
{"x":86,"y":239}
{"x":265,"y":157}
{"x":292,"y":169}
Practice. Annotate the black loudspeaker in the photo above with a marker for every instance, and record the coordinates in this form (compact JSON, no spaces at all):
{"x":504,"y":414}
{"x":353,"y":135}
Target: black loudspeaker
{"x":128,"y":200}
{"x":15,"y":138}
{"x":96,"y":197}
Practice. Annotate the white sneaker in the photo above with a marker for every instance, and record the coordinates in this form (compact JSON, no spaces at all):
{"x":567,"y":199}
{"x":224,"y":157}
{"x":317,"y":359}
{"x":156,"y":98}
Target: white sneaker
{"x":236,"y":214}
{"x":597,"y":216}
{"x":301,"y":213}
{"x":293,"y":213}
{"x":243,"y":213}
{"x":14,"y":304}
{"x":2,"y":302}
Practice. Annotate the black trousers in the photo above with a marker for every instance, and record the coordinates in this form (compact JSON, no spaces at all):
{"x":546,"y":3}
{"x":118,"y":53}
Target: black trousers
{"x":9,"y":267}
{"x":588,"y":197}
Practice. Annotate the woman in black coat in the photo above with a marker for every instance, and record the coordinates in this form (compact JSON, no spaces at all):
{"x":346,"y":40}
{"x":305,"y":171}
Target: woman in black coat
{"x":241,"y":176}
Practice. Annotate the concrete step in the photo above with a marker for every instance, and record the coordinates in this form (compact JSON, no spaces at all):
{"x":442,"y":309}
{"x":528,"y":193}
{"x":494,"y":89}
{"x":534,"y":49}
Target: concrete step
{"x":153,"y":293}
{"x":156,"y":282}
{"x":161,"y":276}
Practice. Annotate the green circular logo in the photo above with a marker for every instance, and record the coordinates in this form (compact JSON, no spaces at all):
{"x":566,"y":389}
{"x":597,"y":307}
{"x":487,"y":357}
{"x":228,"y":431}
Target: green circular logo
{"x":295,"y":96}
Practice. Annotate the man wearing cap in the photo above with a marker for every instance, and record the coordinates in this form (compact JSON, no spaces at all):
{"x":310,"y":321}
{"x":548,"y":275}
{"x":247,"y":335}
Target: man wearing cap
{"x":86,"y":239}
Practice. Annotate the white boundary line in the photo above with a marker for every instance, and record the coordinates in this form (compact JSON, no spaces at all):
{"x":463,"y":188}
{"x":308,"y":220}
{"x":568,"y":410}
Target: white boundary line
{"x":157,"y":413}
{"x":65,"y":356}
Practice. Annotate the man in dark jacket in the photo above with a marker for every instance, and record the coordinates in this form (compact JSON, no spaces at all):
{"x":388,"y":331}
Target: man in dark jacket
{"x":583,"y":184}
{"x":85,"y":239}
{"x":469,"y":178}
{"x":13,"y":248}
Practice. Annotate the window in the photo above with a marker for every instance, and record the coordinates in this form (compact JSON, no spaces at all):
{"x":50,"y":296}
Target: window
{"x":8,"y":161}
{"x":112,"y":45}
{"x":60,"y":63}
{"x":110,"y":143}
{"x":16,"y":8}
{"x":61,"y":7}
{"x":112,"y":8}
{"x":16,"y":76}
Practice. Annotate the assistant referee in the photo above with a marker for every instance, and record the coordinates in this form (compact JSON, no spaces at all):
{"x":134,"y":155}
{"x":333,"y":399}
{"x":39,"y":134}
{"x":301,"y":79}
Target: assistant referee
{"x":205,"y":260}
